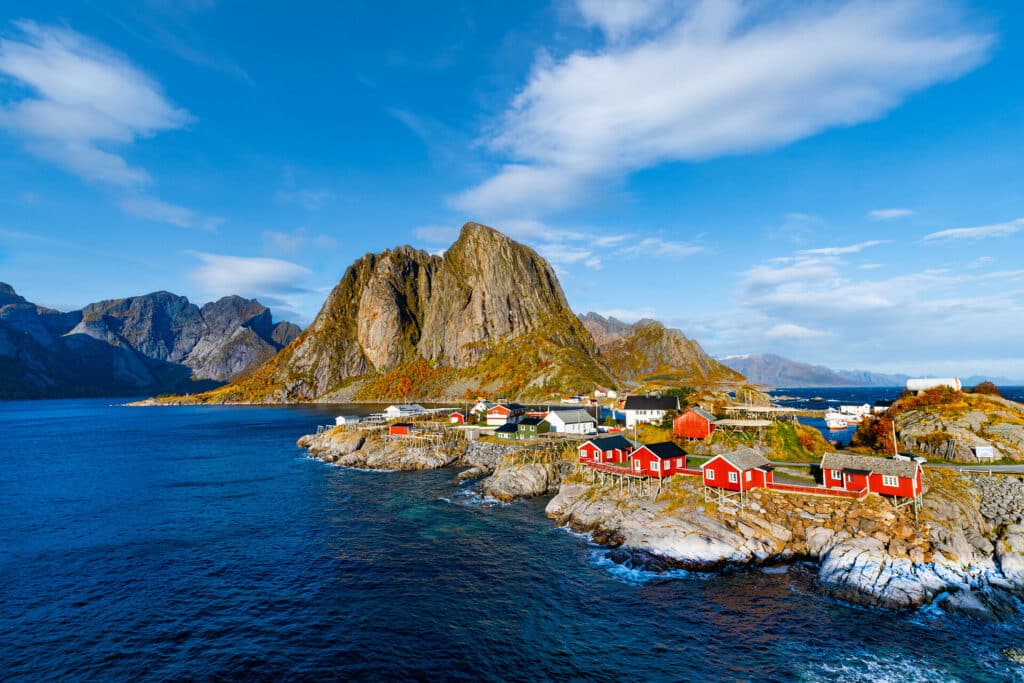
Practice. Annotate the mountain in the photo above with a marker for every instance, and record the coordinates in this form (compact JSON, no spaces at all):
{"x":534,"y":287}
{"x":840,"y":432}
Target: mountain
{"x":487,"y":317}
{"x":647,"y":350}
{"x":157,"y":342}
{"x":776,"y":371}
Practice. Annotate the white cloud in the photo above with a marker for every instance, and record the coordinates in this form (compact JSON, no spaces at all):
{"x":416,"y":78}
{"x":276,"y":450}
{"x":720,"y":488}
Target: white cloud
{"x":791,"y":331}
{"x":85,"y":100}
{"x":656,"y":246}
{"x":839,"y":251}
{"x":153,"y":209}
{"x":296,"y":240}
{"x":889,"y":214}
{"x":717,"y":79}
{"x":221,"y":275}
{"x":84,"y":104}
{"x":978,"y":233}
{"x":619,"y":18}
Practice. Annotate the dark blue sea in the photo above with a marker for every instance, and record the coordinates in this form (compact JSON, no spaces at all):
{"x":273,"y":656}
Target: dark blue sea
{"x":836,"y":396}
{"x":200,"y":543}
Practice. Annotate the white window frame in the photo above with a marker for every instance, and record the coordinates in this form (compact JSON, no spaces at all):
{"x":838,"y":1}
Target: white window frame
{"x":734,"y":478}
{"x":655,"y":465}
{"x":710,"y":474}
{"x":837,"y":475}
{"x":679,"y":463}
{"x":890,"y":480}
{"x":749,"y":476}
{"x":636,"y":465}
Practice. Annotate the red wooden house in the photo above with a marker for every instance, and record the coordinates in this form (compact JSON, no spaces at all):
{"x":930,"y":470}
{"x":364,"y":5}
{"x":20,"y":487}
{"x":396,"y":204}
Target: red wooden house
{"x":400,"y":429}
{"x":457,"y":417}
{"x":695,"y":423}
{"x":884,"y":476}
{"x":738,"y":471}
{"x":659,"y":460}
{"x":606,"y":449}
{"x":505,"y":413}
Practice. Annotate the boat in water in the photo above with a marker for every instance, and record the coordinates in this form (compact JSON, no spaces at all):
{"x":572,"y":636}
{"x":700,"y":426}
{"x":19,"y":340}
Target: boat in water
{"x":836,"y":421}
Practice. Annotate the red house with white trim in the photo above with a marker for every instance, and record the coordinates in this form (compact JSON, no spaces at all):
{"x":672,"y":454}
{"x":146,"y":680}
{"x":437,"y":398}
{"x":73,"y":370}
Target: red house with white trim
{"x":457,"y":417}
{"x":738,"y":471}
{"x":885,"y":476}
{"x":695,"y":423}
{"x":505,"y":413}
{"x":659,"y":460}
{"x":606,"y":449}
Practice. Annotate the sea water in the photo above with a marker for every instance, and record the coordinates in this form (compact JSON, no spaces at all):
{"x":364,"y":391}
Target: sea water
{"x":200,"y":542}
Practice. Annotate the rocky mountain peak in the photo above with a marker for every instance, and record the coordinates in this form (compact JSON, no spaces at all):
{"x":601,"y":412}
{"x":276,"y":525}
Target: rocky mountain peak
{"x":9,"y":296}
{"x":487,"y":294}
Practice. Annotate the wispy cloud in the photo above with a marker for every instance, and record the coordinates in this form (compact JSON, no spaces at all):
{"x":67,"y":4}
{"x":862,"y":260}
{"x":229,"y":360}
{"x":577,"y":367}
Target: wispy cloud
{"x":657,"y":246}
{"x":709,"y":79}
{"x":86,"y":100}
{"x":839,"y":251}
{"x":309,"y":198}
{"x":86,"y":104}
{"x":978,"y":233}
{"x":153,"y":209}
{"x":221,"y":275}
{"x":295,"y":241}
{"x":792,"y":331}
{"x":889,"y":214}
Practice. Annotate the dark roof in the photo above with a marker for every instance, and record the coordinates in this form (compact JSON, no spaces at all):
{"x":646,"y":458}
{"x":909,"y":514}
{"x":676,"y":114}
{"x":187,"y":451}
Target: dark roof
{"x":651,"y":403}
{"x":610,"y":443}
{"x":703,"y":413}
{"x":507,"y":427}
{"x":531,"y":421}
{"x":510,"y":406}
{"x":867,"y":463}
{"x":746,"y":459}
{"x":401,"y":424}
{"x":665,"y":450}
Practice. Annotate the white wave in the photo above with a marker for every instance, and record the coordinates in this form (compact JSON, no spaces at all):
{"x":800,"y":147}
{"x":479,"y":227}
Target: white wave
{"x":878,"y":666}
{"x":636,"y":576}
{"x":469,"y":497}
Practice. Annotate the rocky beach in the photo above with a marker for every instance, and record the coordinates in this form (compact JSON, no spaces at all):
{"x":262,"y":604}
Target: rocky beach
{"x":965,"y":552}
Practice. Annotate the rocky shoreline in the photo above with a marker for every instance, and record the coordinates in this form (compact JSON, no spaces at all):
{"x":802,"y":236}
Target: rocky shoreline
{"x":965,"y":553}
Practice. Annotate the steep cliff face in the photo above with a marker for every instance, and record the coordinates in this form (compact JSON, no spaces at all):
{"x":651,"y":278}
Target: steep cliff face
{"x":156,"y":342}
{"x":647,"y":350}
{"x":489,"y":315}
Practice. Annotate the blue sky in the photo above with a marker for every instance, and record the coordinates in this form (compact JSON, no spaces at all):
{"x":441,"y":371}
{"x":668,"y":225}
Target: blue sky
{"x":837,"y":182}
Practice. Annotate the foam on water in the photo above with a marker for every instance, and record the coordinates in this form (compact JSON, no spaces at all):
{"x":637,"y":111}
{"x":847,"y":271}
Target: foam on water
{"x":631,"y":574}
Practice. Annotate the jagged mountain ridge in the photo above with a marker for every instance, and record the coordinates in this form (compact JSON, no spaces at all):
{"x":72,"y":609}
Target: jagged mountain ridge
{"x":773,"y":370}
{"x":489,"y":316}
{"x":157,"y":342}
{"x":647,"y":350}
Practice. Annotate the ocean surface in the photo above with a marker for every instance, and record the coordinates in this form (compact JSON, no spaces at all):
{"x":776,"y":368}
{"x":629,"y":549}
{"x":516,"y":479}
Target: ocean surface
{"x":834,"y":397}
{"x":201,"y":543}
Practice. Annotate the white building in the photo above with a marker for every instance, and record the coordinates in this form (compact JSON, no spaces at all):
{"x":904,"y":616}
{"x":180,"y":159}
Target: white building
{"x":926,"y":383}
{"x":571,"y":421}
{"x":862,"y":410}
{"x":640,"y":409}
{"x":403,"y":410}
{"x":344,"y":420}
